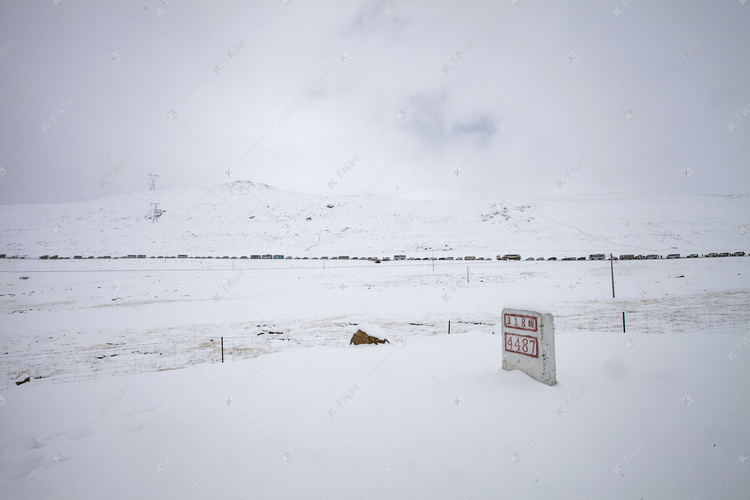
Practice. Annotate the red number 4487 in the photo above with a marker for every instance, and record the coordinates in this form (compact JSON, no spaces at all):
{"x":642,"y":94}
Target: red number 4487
{"x":522,"y":344}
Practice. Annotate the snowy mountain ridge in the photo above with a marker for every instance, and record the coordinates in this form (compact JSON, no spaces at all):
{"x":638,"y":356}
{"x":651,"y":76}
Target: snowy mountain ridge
{"x":243,"y":217}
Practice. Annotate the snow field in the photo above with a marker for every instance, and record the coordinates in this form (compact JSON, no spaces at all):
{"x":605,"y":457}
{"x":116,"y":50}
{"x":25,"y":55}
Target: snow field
{"x":73,"y":320}
{"x":434,"y":417}
{"x":659,"y":411}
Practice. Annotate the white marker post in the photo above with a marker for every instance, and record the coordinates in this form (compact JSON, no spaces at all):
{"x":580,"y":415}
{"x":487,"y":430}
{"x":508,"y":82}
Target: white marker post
{"x":529,"y":344}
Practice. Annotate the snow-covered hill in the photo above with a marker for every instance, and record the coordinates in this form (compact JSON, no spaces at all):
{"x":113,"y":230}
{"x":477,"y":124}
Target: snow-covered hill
{"x":243,"y":218}
{"x":112,"y":383}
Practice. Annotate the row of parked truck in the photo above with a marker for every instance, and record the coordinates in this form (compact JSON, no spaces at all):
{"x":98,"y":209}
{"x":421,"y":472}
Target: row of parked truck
{"x":509,"y":256}
{"x":678,"y":256}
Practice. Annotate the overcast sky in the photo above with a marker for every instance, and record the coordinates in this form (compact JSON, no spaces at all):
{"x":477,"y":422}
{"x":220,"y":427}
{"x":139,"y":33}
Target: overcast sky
{"x":402,"y":98}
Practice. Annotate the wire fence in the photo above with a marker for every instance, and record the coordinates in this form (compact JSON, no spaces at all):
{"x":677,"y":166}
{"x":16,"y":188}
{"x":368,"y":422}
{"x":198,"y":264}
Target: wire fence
{"x":699,"y":321}
{"x":58,"y":362}
{"x":69,"y":365}
{"x":65,"y":363}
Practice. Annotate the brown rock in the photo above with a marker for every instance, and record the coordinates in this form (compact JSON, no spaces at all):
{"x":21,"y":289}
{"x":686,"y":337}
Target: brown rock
{"x":362,"y":338}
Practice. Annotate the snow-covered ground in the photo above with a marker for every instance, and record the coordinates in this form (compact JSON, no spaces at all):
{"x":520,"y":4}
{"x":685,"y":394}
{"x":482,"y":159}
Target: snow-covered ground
{"x":76,"y":319}
{"x":660,"y":411}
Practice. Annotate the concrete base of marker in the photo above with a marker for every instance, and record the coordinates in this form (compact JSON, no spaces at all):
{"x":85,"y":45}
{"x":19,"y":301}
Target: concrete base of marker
{"x":529,"y":344}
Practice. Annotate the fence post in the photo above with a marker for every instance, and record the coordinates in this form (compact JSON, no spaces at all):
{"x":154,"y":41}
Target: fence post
{"x":222,"y":349}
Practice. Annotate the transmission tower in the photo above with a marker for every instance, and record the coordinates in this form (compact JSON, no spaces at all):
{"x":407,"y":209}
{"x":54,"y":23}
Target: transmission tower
{"x":153,"y":178}
{"x":156,"y":212}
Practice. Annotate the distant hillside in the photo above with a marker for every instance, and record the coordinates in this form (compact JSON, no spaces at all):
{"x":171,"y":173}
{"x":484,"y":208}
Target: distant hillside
{"x":243,"y":218}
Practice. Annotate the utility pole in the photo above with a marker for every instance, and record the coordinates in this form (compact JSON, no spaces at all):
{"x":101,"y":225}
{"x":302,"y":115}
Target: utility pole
{"x":152,"y":184}
{"x":612,"y":273}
